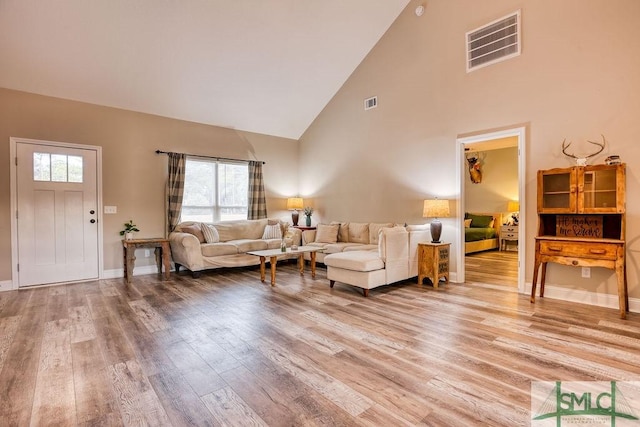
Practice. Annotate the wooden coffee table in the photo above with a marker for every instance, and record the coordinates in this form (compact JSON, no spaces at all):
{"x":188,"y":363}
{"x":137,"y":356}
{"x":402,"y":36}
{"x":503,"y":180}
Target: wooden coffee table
{"x":273,"y":255}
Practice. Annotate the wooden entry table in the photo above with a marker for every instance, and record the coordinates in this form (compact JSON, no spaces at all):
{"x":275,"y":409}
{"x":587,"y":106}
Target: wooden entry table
{"x":273,"y":255}
{"x":162,"y":252}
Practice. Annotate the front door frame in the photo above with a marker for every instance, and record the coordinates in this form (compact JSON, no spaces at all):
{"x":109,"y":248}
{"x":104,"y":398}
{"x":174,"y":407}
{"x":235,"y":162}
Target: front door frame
{"x":13,"y":141}
{"x":520,"y":133}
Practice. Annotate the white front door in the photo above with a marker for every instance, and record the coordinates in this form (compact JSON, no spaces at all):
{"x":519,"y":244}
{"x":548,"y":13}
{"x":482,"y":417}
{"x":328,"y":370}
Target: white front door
{"x":57,"y":218}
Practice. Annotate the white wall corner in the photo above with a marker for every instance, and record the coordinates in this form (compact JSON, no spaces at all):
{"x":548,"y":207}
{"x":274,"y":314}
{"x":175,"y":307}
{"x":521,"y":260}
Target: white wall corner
{"x":137,"y":271}
{"x":6,"y":285}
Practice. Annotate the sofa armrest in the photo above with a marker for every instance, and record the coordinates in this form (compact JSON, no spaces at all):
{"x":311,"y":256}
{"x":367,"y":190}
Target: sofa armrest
{"x":308,"y":236}
{"x":186,"y":251}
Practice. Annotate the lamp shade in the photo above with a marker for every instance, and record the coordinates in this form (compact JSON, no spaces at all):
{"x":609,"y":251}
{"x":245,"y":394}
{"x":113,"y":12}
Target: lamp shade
{"x":513,"y":206}
{"x":436,"y":208}
{"x":294,"y":203}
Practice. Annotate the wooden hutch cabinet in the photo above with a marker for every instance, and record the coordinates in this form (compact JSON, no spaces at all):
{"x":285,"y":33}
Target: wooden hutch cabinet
{"x":581,"y":222}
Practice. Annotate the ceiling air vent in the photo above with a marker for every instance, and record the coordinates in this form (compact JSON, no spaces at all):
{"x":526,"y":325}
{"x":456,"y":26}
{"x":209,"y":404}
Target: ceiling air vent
{"x":370,"y":103}
{"x":495,"y":42}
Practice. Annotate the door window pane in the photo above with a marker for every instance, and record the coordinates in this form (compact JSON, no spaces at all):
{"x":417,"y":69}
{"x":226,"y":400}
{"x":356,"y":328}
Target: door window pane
{"x":75,"y":168}
{"x":41,"y":167}
{"x":57,"y":167}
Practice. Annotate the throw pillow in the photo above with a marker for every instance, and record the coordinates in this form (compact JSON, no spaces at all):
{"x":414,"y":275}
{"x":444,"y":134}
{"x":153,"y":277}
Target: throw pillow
{"x":467,"y":223}
{"x":343,"y":231}
{"x":374,"y":231}
{"x":480,"y":221}
{"x":359,"y":232}
{"x":210,"y":233}
{"x":195,"y":230}
{"x":272,"y":232}
{"x":327,"y":233}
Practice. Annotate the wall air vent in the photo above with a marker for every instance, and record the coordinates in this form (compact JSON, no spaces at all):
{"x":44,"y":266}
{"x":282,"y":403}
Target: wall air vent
{"x":370,"y":103}
{"x":495,"y":42}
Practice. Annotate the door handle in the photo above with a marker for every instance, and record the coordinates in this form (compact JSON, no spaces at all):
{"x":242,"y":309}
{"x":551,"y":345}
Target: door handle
{"x":92,"y":221}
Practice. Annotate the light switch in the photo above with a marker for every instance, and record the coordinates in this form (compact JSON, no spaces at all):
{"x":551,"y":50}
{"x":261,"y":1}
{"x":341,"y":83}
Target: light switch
{"x":110,"y":209}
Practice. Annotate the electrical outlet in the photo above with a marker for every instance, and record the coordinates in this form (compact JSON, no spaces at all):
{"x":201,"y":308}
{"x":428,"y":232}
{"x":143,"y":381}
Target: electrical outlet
{"x":110,"y":209}
{"x":586,"y":272}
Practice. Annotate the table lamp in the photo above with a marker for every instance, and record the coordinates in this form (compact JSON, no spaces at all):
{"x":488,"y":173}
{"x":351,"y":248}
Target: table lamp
{"x":513,"y":207}
{"x":436,"y":208}
{"x":294,"y":204}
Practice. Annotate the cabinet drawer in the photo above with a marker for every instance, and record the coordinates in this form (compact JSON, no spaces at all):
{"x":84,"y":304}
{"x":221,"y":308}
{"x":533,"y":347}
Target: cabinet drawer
{"x":509,"y":236}
{"x":509,"y":229}
{"x":594,"y":250}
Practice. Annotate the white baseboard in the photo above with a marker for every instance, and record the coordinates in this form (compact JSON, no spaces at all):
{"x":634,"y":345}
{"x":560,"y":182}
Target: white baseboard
{"x":137,"y":271}
{"x":584,"y":297}
{"x":6,"y":285}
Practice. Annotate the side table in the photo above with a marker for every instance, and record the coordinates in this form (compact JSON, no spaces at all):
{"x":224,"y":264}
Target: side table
{"x":162,"y":252}
{"x":433,"y":262}
{"x":303,"y":227}
{"x":508,"y":235}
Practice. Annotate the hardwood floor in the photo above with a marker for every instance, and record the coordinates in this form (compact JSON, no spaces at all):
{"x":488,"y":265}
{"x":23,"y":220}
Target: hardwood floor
{"x":493,"y":267}
{"x":226,"y":349}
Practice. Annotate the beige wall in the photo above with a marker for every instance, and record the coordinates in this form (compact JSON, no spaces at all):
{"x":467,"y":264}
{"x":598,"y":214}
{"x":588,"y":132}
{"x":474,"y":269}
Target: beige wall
{"x":133,"y":175}
{"x":578,"y":77}
{"x":499,"y":182}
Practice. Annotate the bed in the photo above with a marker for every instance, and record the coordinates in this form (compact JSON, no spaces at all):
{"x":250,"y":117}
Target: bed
{"x":481,"y":232}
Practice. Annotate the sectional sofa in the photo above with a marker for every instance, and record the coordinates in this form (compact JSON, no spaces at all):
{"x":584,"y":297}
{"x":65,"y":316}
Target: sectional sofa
{"x":202,"y":246}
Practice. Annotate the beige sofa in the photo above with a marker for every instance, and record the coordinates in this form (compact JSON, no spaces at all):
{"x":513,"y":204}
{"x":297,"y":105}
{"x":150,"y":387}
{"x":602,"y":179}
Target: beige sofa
{"x":229,"y":246}
{"x":339,"y":237}
{"x":394,"y":259}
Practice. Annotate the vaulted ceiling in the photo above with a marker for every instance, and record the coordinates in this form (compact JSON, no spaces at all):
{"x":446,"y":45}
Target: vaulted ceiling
{"x":266,"y":66}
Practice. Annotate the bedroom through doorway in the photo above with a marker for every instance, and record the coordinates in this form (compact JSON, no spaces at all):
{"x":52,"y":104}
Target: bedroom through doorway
{"x":490,"y":208}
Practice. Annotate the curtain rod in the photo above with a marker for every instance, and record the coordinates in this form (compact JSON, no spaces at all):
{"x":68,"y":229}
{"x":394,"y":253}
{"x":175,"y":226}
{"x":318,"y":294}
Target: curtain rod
{"x":210,"y":157}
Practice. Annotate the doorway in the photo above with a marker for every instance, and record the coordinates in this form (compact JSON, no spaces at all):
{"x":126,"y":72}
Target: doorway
{"x":495,"y":253}
{"x":56,"y":233}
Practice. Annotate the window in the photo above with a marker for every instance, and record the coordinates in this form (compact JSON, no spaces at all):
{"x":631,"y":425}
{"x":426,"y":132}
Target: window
{"x":57,"y":167}
{"x":214,"y":191}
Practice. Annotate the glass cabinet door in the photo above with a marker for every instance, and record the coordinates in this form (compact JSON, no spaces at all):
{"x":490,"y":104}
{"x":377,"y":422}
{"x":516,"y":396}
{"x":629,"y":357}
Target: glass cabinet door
{"x":557,"y":191}
{"x":598,"y":189}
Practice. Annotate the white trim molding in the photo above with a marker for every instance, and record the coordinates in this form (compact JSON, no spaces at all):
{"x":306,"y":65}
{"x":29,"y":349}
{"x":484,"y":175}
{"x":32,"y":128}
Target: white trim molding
{"x":6,"y":285}
{"x":583,"y":297}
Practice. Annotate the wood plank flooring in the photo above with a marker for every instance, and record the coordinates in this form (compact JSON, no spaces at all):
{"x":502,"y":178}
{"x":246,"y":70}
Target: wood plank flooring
{"x":226,"y":349}
{"x":493,"y":267}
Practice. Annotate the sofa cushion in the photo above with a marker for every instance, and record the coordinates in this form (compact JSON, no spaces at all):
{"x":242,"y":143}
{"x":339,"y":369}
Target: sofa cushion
{"x":195,"y":230}
{"x":355,"y":260}
{"x":317,"y":244}
{"x":276,"y":243}
{"x":246,"y":245}
{"x":374,"y":231}
{"x":480,"y":221}
{"x":343,"y":232}
{"x":210,"y":233}
{"x":332,"y":248}
{"x":217,"y":249}
{"x":272,"y":232}
{"x":359,"y":232}
{"x":359,"y":247}
{"x":241,"y":229}
{"x":327,"y":233}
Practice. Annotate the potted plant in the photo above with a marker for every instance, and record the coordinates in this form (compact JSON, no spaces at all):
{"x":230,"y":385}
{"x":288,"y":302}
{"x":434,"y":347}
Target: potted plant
{"x":308,"y":211}
{"x":129,"y":229}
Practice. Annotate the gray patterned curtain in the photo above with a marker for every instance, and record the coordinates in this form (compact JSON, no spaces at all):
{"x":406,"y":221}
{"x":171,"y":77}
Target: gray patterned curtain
{"x":257,"y":208}
{"x":175,"y":188}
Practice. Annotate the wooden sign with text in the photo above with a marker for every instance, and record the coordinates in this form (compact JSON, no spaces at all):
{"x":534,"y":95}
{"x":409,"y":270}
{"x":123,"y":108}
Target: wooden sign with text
{"x":579,"y":226}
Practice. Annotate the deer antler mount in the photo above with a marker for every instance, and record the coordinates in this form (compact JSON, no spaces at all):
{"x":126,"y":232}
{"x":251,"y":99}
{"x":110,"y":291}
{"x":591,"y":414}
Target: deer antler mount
{"x":582,"y":161}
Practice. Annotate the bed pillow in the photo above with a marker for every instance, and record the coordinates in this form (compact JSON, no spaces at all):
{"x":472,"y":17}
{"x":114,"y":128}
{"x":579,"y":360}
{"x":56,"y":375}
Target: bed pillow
{"x":467,"y":223}
{"x":480,"y":221}
{"x":327,"y":233}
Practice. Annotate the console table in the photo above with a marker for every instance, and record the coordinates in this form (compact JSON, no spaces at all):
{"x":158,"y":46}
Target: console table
{"x":162,"y":252}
